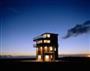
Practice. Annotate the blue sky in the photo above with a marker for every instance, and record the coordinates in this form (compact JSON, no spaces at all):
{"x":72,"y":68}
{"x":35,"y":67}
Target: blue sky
{"x":22,"y":20}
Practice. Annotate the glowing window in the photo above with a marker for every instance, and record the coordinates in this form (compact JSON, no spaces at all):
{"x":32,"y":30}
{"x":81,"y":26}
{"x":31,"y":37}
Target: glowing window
{"x":46,"y":57}
{"x":46,"y":41}
{"x":51,"y":48}
{"x":51,"y":56}
{"x":44,"y":35}
{"x":48,"y":35}
{"x":39,"y":57}
{"x":41,"y":48}
{"x":45,"y":48}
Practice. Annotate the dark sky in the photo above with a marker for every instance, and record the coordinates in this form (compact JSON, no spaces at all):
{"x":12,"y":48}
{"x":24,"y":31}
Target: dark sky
{"x":22,"y":20}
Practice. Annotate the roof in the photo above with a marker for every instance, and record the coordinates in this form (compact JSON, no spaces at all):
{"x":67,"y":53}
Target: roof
{"x":49,"y":33}
{"x":40,"y":36}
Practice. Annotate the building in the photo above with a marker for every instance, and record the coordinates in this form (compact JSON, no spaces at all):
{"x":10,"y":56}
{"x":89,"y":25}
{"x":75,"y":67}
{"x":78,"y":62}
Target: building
{"x":46,"y":46}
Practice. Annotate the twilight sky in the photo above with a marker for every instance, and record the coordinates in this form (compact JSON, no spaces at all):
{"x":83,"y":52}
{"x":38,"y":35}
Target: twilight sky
{"x":22,"y":20}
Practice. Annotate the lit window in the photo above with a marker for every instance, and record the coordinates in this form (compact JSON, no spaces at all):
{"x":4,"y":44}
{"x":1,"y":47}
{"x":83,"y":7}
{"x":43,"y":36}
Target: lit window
{"x":46,"y":41}
{"x":41,"y":48}
{"x":46,"y":57}
{"x":51,"y":56}
{"x":48,"y":35}
{"x":39,"y":57}
{"x":40,"y":41}
{"x":44,"y":35}
{"x":45,"y":48}
{"x":51,"y":48}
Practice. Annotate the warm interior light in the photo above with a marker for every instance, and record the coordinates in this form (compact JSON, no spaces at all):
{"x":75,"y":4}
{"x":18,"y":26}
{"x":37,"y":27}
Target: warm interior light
{"x":51,"y":57}
{"x":48,"y":35}
{"x":51,"y":48}
{"x":44,"y":35}
{"x":88,"y":55}
{"x":46,"y":57}
{"x":41,"y":49}
{"x":39,"y":57}
{"x":40,"y":41}
{"x":46,"y":41}
{"x":45,"y":48}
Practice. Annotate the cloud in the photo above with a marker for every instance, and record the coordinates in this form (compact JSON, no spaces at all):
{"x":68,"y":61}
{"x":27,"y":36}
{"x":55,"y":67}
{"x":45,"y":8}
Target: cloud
{"x":78,"y":29}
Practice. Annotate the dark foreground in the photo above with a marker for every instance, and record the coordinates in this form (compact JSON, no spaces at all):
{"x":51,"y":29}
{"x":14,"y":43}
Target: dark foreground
{"x":32,"y":65}
{"x":60,"y":60}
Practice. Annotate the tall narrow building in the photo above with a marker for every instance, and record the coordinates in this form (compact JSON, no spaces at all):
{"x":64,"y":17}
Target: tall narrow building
{"x":46,"y":46}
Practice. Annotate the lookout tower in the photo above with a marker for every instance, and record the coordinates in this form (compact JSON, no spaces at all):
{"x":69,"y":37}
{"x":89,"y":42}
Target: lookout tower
{"x":46,"y":46}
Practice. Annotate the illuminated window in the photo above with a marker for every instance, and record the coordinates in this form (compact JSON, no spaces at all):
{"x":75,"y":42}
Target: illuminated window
{"x":45,"y":48}
{"x":47,"y":58}
{"x":51,"y":48}
{"x":39,"y":57}
{"x":46,"y":41}
{"x":51,"y":56}
{"x":41,"y":49}
{"x":48,"y":35}
{"x":44,"y":35}
{"x":40,"y":41}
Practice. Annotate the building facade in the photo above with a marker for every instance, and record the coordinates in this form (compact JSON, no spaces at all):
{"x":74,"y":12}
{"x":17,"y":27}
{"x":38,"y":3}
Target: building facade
{"x":46,"y":46}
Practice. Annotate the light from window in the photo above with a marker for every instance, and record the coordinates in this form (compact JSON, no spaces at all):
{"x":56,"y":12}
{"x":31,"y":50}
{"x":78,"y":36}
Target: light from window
{"x":40,"y":41}
{"x":51,"y":48}
{"x":46,"y":41}
{"x":45,"y":48}
{"x":41,"y":48}
{"x":46,"y":57}
{"x":44,"y":35}
{"x":39,"y":57}
{"x":48,"y":35}
{"x":51,"y":56}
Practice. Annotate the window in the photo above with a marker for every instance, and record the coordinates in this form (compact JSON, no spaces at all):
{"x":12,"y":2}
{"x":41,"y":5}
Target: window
{"x":45,"y":48}
{"x":41,"y":50}
{"x":46,"y":35}
{"x":51,"y":48}
{"x":47,"y":58}
{"x":40,"y":41}
{"x":51,"y":56}
{"x":39,"y":57}
{"x":46,"y":41}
